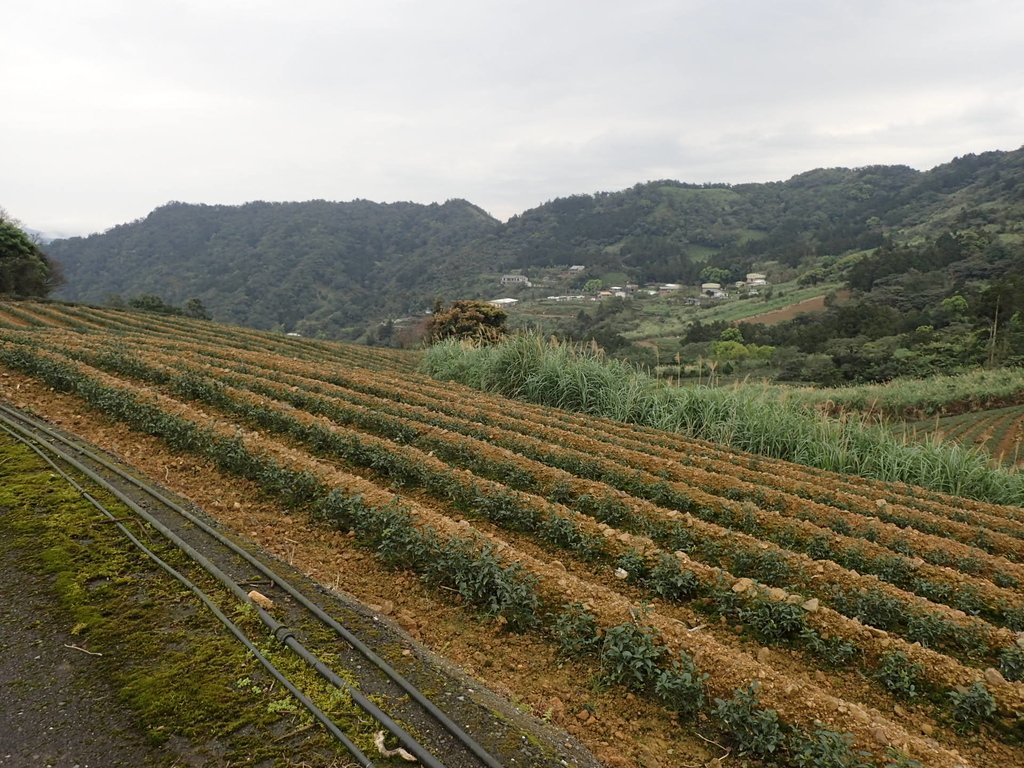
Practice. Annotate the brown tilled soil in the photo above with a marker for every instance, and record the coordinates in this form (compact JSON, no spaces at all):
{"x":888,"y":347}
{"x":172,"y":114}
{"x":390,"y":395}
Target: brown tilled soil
{"x":619,"y":728}
{"x":807,"y":306}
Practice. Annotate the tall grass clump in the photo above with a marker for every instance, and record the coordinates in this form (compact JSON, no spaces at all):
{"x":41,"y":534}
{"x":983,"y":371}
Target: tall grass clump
{"x":579,"y":378}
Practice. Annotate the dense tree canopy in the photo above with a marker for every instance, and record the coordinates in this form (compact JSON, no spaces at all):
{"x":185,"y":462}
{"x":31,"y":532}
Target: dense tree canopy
{"x":24,"y":269}
{"x":474,"y":320}
{"x":335,"y":269}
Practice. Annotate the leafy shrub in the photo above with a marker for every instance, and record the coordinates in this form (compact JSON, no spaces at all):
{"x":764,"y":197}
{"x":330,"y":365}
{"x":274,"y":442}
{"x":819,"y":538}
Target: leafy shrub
{"x":500,"y":590}
{"x":828,"y":749}
{"x":754,"y":730}
{"x":576,"y":632}
{"x":1014,"y":619}
{"x":605,"y":510}
{"x":668,"y":580}
{"x":820,"y":548}
{"x":635,"y":565}
{"x":565,"y":534}
{"x":769,"y":567}
{"x":630,"y":656}
{"x":897,"y":759}
{"x":927,"y":629}
{"x":899,"y":674}
{"x":872,"y":607}
{"x":971,"y":706}
{"x":834,"y":651}
{"x":1011,"y":663}
{"x":968,"y":600}
{"x":1006,"y":580}
{"x":681,"y":687}
{"x":774,"y":621}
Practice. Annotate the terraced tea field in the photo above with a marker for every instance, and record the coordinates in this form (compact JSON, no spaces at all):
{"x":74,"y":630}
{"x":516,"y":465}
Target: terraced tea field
{"x":998,"y":431}
{"x":667,"y":601}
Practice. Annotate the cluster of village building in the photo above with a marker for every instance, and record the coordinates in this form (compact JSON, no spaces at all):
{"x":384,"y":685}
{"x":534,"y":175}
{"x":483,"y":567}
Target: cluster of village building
{"x":751,"y":286}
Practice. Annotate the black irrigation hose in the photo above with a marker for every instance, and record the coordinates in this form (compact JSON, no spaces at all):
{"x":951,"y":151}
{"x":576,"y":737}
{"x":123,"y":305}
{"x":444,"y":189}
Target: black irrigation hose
{"x":235,"y":630}
{"x":414,"y":693}
{"x":276,"y":628}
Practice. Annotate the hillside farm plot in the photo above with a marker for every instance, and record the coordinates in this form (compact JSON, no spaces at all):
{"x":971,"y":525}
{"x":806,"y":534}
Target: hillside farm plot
{"x":998,"y":431}
{"x":668,"y":601}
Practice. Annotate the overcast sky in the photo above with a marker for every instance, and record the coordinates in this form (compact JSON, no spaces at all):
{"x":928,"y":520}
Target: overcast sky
{"x":114,"y":107}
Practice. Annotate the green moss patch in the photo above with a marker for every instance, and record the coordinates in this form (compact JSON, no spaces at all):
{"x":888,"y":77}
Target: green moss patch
{"x":183,"y":678}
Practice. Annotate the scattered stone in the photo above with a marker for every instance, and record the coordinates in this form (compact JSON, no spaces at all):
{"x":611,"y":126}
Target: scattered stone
{"x":261,"y":600}
{"x":557,"y":708}
{"x":927,"y":729}
{"x":583,"y":715}
{"x":878,"y":734}
{"x":742,"y":585}
{"x":898,"y":710}
{"x":994,"y":677}
{"x":763,"y":655}
{"x":777,"y":594}
{"x":811,"y":606}
{"x":621,"y":573}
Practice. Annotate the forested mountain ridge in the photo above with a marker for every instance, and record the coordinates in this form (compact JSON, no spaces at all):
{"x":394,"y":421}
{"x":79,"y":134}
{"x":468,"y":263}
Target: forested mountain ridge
{"x":336,"y":268}
{"x":319,"y":266}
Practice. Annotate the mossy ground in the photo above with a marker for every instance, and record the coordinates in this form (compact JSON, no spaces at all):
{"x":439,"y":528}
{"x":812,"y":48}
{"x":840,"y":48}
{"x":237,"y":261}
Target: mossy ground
{"x":184,"y":680}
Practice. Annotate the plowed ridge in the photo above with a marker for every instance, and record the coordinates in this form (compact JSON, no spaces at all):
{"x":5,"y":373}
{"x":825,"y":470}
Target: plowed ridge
{"x":810,"y":583}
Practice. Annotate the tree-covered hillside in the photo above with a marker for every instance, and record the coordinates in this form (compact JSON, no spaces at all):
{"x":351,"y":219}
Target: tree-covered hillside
{"x":338,"y":268}
{"x":318,"y":267}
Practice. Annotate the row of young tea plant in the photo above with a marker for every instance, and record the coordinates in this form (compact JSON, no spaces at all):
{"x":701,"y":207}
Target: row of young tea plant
{"x":389,"y":423}
{"x":211,"y":392}
{"x":627,"y":650}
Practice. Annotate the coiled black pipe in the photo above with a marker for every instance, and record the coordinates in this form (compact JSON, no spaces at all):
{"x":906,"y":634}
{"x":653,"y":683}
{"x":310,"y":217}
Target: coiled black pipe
{"x":235,"y":630}
{"x":453,"y":728}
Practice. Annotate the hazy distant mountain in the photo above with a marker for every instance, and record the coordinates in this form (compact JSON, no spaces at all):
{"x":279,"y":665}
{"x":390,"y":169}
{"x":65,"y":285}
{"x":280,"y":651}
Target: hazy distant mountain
{"x":335,"y":268}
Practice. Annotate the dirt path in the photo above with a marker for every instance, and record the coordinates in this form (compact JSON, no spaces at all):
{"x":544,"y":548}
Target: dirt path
{"x":57,"y":710}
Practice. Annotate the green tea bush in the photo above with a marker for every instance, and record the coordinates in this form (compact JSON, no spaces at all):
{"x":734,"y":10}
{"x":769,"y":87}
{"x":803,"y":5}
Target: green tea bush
{"x":680,"y":688}
{"x":670,"y":581}
{"x":753,"y":730}
{"x":576,"y":632}
{"x":1011,"y":663}
{"x":605,"y":510}
{"x":971,"y":706}
{"x":899,"y":675}
{"x":774,"y":621}
{"x":834,"y":651}
{"x":630,"y":656}
{"x":828,"y":749}
{"x":635,"y":565}
{"x":897,"y":759}
{"x":498,"y":590}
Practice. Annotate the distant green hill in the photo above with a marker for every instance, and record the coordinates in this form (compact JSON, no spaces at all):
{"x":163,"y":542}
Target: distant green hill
{"x":338,"y":268}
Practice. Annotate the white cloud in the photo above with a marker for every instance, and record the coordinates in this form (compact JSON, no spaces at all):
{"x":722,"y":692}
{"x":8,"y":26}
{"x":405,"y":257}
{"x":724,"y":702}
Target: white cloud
{"x":113,"y":107}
